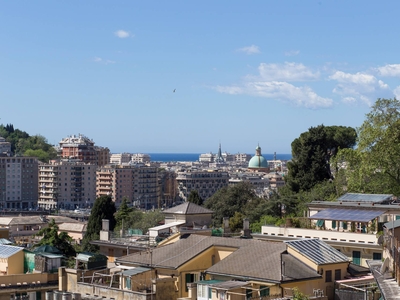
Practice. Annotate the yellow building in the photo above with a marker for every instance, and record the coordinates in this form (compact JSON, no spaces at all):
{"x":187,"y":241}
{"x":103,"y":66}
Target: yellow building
{"x":11,"y":260}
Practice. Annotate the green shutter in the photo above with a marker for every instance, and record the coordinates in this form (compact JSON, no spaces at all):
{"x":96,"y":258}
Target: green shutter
{"x":264,"y":291}
{"x":333,"y":224}
{"x":344,"y":225}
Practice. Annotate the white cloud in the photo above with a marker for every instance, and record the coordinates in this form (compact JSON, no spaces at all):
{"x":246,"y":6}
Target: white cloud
{"x":102,"y":61}
{"x":396,"y":92}
{"x":253,"y":49}
{"x":292,"y":53}
{"x":358,"y":78}
{"x":287,"y":72}
{"x":122,"y":34}
{"x":283,"y":91}
{"x":360,"y":86}
{"x":349,"y":100}
{"x":392,"y":70}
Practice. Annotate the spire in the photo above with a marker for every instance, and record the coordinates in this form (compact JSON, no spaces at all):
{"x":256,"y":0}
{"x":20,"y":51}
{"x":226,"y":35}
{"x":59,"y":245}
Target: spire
{"x":219,"y":155}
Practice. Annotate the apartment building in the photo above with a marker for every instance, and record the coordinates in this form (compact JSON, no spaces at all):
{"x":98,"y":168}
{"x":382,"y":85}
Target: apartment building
{"x":82,"y":148}
{"x":206,"y":182}
{"x":135,"y":182}
{"x":67,"y":184}
{"x":120,"y":158}
{"x":18,"y":182}
{"x":5,"y":147}
{"x":140,"y":158}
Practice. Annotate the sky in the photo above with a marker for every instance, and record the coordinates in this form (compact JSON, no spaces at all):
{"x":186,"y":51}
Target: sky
{"x":184,"y":76}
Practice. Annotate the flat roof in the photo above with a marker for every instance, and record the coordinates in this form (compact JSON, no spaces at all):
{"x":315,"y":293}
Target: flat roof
{"x":351,"y":215}
{"x":165,"y":226}
{"x":355,"y":197}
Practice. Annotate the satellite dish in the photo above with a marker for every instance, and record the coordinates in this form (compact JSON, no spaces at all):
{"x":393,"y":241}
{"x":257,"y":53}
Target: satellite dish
{"x":385,"y":266}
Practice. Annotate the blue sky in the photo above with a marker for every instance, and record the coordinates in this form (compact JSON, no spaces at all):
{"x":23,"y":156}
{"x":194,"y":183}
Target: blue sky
{"x":245,"y":72}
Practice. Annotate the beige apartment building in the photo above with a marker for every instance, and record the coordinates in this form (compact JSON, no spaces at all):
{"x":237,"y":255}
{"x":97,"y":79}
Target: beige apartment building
{"x":135,"y":182}
{"x":120,"y":158}
{"x":18,"y":182}
{"x":206,"y":182}
{"x":67,"y":184}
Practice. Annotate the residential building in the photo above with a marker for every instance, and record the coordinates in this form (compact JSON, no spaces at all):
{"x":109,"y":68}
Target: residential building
{"x":135,"y":182}
{"x":205,"y":182}
{"x":23,"y":229}
{"x":5,"y":147}
{"x":242,"y":157}
{"x":18,"y":182}
{"x":255,"y":179}
{"x":120,"y":158}
{"x":275,"y":180}
{"x":168,"y":187}
{"x":140,"y":158}
{"x":67,"y":184}
{"x":82,"y":148}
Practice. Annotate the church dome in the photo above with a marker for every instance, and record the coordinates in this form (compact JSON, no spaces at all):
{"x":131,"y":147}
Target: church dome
{"x":258,"y":161}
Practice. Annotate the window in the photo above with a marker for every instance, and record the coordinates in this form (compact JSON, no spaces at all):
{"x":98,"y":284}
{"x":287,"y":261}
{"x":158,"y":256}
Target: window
{"x":376,"y":256}
{"x":264,"y":291}
{"x":189,"y":278}
{"x":328,"y":276}
{"x":338,"y":274}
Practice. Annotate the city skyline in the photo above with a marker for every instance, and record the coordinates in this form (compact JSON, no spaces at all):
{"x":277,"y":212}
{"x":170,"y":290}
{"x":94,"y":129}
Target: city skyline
{"x":182,"y":77}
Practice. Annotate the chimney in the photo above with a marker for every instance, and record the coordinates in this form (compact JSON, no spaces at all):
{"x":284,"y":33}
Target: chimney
{"x":105,"y":231}
{"x":246,"y":228}
{"x":227,"y":230}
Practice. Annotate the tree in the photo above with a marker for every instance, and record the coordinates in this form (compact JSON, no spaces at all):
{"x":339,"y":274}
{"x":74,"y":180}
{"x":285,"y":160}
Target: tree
{"x":228,"y":200}
{"x":122,"y":215}
{"x":103,"y":208}
{"x":195,"y":198}
{"x":373,"y":167}
{"x":63,"y":242}
{"x":312,"y":153}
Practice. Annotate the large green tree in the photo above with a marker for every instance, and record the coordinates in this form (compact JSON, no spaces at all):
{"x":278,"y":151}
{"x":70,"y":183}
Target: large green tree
{"x":238,"y":198}
{"x":195,"y":198}
{"x":312,"y":153}
{"x":374,"y":166}
{"x":103,"y":209}
{"x":62,"y":241}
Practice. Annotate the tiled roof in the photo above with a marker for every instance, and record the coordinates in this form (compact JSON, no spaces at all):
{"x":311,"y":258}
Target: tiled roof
{"x":33,"y":220}
{"x":72,"y":227}
{"x":7,"y":251}
{"x":188,"y":208}
{"x":255,"y":259}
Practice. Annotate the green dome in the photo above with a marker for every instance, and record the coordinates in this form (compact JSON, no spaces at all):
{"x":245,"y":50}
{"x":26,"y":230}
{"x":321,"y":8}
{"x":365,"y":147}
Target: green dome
{"x":258,"y":161}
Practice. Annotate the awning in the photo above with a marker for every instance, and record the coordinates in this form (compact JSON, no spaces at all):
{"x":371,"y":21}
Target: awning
{"x":135,"y":271}
{"x":349,"y":215}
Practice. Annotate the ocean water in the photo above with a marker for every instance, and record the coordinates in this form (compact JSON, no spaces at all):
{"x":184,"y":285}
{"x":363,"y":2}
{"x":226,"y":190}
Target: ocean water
{"x":165,"y":157}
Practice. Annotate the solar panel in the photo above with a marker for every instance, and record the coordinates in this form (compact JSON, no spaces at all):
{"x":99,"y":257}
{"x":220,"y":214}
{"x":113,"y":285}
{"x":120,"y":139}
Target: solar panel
{"x":354,"y":197}
{"x":318,"y":251}
{"x":350,"y":215}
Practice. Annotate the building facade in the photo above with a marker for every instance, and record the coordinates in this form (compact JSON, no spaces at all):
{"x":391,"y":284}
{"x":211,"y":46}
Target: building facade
{"x":18,"y":182}
{"x":206,"y":182}
{"x":135,"y":182}
{"x":82,"y":148}
{"x":5,"y":147}
{"x":67,"y":184}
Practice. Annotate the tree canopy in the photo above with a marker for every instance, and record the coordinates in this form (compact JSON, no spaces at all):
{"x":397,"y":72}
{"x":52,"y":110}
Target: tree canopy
{"x":195,"y":198}
{"x":238,"y":198}
{"x":312,"y":153}
{"x":374,"y":166}
{"x":24,"y":144}
{"x":50,"y":236}
{"x":103,"y":208}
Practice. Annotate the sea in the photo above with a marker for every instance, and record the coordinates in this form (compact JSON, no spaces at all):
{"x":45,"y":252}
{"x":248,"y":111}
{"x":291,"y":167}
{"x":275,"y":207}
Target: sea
{"x":166,"y":157}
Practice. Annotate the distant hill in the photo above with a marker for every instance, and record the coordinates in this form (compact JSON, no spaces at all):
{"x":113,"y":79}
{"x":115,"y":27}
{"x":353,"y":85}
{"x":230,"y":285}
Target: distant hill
{"x":22,"y":144}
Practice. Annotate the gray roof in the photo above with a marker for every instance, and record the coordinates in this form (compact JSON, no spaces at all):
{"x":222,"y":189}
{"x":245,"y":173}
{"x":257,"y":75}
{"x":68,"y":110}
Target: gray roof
{"x":5,"y":242}
{"x":355,"y":197}
{"x":188,"y":208}
{"x":73,"y":227}
{"x":135,"y":271}
{"x":391,"y":225}
{"x":6,"y":251}
{"x":33,"y":220}
{"x":253,"y":259}
{"x":318,"y":251}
